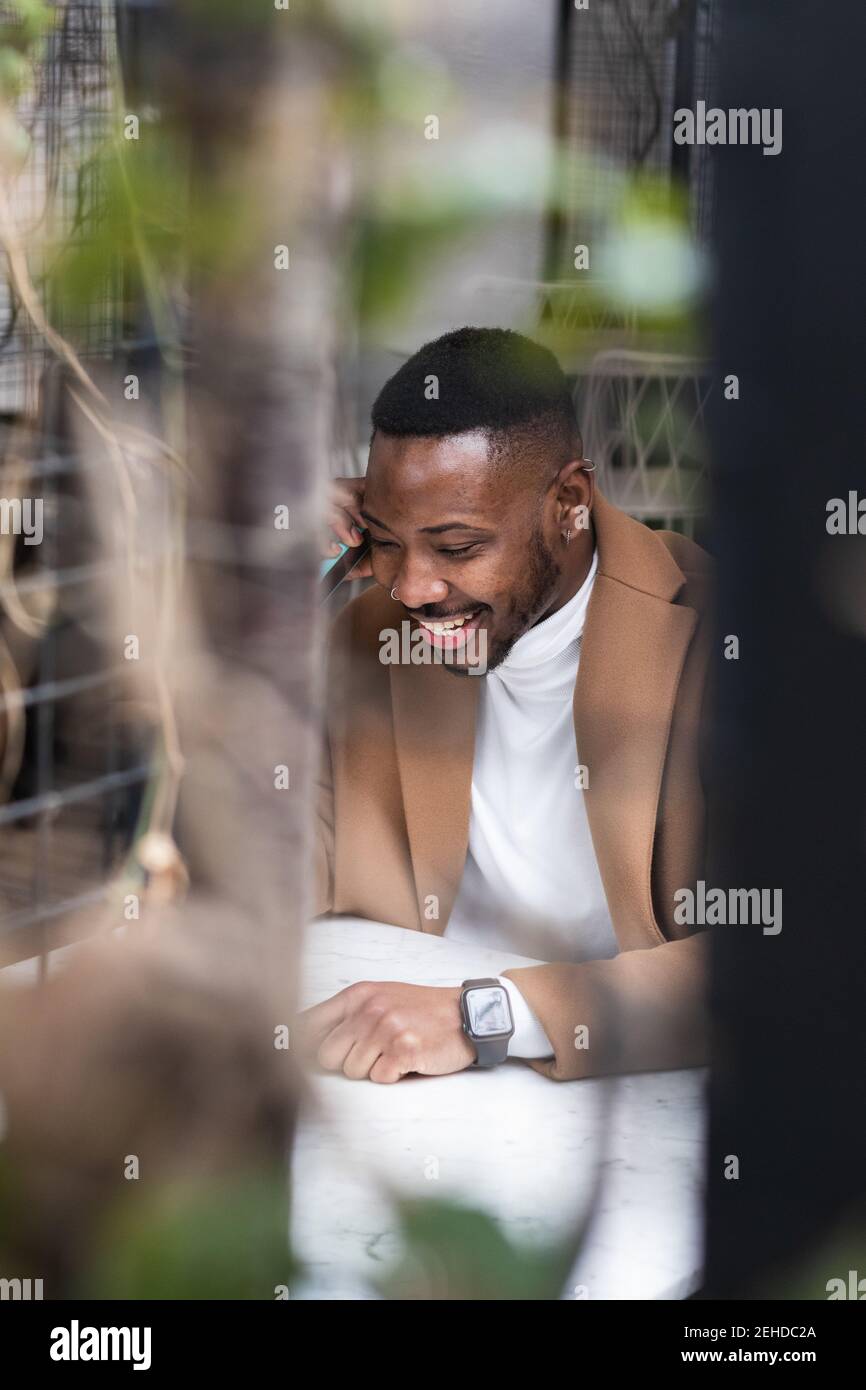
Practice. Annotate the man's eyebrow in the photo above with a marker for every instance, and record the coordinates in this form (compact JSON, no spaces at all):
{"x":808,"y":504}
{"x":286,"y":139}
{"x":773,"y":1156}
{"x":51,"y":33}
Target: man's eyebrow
{"x":451,"y":526}
{"x":368,"y":516}
{"x":428,"y":530}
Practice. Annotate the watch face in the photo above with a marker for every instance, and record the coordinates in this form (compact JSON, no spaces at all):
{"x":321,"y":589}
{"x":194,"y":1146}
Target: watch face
{"x":488,"y":1011}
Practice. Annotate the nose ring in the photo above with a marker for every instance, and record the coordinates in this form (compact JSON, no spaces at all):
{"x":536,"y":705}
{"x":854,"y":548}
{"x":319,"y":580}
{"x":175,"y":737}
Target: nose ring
{"x":394,"y":593}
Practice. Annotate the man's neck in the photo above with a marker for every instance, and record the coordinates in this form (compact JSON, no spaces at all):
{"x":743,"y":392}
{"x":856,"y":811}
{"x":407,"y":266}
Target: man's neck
{"x":575,"y":570}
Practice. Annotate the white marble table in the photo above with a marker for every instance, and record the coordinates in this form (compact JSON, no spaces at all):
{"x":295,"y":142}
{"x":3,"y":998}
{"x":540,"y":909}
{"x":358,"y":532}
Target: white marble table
{"x":524,"y":1148}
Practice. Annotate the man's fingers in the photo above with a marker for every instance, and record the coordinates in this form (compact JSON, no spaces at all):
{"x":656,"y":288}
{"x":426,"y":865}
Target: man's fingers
{"x":343,"y":526}
{"x":348,"y":495}
{"x":314,"y":1024}
{"x":355,"y":513}
{"x":386,"y":1070}
{"x":345,"y":496}
{"x":352,"y":1047}
{"x":335,"y":1048}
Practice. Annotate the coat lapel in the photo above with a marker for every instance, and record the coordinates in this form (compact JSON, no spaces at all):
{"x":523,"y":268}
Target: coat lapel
{"x":434,"y":726}
{"x":634,"y":648}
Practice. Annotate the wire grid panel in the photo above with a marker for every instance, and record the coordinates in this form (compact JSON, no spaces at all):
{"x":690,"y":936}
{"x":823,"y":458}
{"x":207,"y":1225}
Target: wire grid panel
{"x":701,"y":181}
{"x":622,"y":65}
{"x":69,"y":783}
{"x":73,"y":764}
{"x":642,"y":418}
{"x":631,"y":63}
{"x":57,"y":198}
{"x":619,"y":110}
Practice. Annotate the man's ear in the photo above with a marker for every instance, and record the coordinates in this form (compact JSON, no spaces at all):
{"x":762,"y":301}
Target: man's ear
{"x":575,"y":491}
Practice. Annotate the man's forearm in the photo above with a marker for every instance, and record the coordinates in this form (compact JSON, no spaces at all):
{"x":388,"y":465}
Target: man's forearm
{"x":643,"y":1010}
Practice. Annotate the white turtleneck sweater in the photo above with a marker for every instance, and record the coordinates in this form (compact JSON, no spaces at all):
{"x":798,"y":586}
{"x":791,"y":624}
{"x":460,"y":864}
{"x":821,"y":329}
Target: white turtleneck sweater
{"x":531,"y":882}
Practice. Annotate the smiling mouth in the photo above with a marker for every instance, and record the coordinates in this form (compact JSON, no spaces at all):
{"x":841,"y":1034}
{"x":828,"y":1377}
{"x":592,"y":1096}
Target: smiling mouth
{"x":451,"y":631}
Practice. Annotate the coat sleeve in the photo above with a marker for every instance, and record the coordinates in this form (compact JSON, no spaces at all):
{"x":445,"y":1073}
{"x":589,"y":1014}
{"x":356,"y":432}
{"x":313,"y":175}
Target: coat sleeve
{"x":644,"y":1010}
{"x":323,"y":831}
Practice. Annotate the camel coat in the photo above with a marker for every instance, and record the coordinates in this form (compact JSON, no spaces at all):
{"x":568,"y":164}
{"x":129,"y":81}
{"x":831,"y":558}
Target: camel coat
{"x":394,"y":798}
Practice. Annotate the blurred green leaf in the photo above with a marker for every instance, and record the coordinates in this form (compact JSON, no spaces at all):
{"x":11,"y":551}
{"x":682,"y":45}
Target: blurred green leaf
{"x":25,"y":21}
{"x":457,"y":1252}
{"x":208,"y":1239}
{"x":807,"y":1277}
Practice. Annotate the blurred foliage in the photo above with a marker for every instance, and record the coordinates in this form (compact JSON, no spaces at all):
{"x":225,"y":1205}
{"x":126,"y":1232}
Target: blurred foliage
{"x":143,"y":217}
{"x":23,"y":28}
{"x":454,"y":1251}
{"x":649,"y":259}
{"x":24,"y":22}
{"x":807,"y":1277}
{"x":211,"y":1239}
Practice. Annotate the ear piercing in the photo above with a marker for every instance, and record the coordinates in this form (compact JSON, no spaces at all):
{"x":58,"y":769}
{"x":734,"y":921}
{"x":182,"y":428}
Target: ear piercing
{"x":588,"y":467}
{"x":394,"y":593}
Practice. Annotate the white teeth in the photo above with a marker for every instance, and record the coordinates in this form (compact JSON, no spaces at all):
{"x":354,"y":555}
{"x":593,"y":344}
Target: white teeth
{"x":444,"y":626}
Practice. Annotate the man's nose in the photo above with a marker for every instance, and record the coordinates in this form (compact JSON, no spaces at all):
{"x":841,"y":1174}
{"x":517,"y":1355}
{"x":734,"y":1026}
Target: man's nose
{"x":417,"y":583}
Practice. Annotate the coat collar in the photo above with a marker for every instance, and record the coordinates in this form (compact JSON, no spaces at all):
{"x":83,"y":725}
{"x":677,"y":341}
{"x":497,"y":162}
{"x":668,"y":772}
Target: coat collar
{"x":634,"y":646}
{"x":632,"y":554}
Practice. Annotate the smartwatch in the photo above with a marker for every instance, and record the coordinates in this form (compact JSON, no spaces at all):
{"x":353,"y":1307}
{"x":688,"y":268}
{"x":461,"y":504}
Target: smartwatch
{"x":487,"y":1022}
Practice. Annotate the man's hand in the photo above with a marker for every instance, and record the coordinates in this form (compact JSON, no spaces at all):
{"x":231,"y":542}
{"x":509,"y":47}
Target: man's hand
{"x":345,"y":499}
{"x":384,"y":1029}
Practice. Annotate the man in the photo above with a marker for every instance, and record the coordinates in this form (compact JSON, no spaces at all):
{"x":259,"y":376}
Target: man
{"x":534,"y":784}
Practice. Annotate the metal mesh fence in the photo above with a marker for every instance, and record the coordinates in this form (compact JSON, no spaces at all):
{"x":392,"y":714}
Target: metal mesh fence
{"x":57,"y":198}
{"x":68,"y":780}
{"x":630,"y":64}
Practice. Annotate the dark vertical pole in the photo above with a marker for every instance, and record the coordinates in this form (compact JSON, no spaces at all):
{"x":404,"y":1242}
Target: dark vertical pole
{"x":684,"y":82}
{"x":789,"y":800}
{"x":555,"y":228}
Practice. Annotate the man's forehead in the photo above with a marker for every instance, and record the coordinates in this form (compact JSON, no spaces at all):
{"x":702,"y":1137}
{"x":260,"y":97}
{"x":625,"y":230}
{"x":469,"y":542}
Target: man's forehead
{"x":427,"y":472}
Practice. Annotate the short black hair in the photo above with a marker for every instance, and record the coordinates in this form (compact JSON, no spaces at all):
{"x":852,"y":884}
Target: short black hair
{"x":489,"y":379}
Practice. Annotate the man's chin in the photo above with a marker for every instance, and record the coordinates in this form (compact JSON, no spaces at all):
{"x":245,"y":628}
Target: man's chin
{"x":467,"y":670}
{"x":492,"y":659}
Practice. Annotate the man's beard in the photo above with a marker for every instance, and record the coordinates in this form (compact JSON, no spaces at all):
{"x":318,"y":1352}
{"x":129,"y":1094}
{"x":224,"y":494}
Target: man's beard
{"x":544,"y":577}
{"x":543,"y":582}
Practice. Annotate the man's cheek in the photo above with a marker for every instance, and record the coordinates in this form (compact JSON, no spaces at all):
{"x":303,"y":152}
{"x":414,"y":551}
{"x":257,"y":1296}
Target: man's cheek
{"x":381,"y":568}
{"x":490,"y":589}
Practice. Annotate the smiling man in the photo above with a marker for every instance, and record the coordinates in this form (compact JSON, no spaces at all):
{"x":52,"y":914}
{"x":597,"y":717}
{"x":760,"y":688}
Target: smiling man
{"x":539,"y":791}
